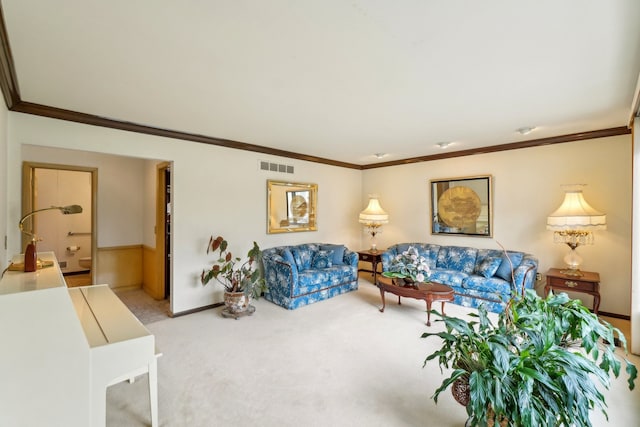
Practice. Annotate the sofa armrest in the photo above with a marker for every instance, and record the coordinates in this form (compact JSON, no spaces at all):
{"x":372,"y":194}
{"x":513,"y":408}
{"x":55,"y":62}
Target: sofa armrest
{"x":386,"y":258}
{"x":525,"y":273}
{"x":281,"y":276}
{"x":350,"y":258}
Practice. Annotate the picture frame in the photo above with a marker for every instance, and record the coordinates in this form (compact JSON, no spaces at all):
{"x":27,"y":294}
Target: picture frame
{"x":462,"y":206}
{"x":291,"y":207}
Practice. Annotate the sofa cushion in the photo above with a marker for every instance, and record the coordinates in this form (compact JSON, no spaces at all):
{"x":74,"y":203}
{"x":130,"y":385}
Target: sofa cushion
{"x":302,"y":257}
{"x":337,"y":253}
{"x":316,"y":280}
{"x":448,"y":277}
{"x":430,"y":252}
{"x":474,"y":298}
{"x":504,"y":271}
{"x":401,"y":247}
{"x":489,"y":266}
{"x":288,"y":257}
{"x":425,"y":253}
{"x":493,"y":285}
{"x":483,"y":253}
{"x":457,"y":258}
{"x":322,"y":259}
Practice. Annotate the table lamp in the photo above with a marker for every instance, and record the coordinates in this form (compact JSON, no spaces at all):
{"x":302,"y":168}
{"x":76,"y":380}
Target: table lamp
{"x":573,"y":223}
{"x":373,"y":217}
{"x":30,"y":253}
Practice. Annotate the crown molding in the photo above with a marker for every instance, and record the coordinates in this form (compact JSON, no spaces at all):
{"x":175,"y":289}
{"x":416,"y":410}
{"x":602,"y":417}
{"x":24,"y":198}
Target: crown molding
{"x":580,"y":136}
{"x":89,"y":119}
{"x":74,"y":116}
{"x":8,"y":80}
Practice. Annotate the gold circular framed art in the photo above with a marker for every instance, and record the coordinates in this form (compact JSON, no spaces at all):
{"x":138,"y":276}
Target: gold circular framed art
{"x":459,"y":207}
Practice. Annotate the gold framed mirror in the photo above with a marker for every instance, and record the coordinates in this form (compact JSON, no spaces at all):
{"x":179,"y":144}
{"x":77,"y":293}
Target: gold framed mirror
{"x":291,"y":207}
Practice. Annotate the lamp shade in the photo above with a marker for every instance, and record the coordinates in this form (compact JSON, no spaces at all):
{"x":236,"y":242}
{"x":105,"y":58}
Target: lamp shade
{"x":576,"y":214}
{"x":373,"y":214}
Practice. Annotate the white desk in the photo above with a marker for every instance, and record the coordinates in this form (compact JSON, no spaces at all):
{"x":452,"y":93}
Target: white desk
{"x":62,"y":348}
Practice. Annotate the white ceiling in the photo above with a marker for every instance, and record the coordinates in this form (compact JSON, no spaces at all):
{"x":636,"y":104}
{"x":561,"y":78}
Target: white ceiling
{"x":335,"y":79}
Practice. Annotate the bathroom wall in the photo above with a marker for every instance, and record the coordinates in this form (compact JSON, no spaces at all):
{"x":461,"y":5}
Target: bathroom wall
{"x":55,"y":187}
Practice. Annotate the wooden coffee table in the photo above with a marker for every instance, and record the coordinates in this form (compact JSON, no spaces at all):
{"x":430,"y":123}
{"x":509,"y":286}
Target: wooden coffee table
{"x":428,"y":292}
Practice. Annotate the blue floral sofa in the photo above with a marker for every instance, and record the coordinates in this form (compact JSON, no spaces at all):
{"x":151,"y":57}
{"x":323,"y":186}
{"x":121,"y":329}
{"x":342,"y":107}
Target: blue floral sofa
{"x":477,"y":276}
{"x":307,"y":273}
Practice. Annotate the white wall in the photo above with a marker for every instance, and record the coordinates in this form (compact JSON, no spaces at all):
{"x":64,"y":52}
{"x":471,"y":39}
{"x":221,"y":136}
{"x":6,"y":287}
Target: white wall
{"x":216,"y":191}
{"x":4,"y":258}
{"x":221,"y":191}
{"x":526,"y":190}
{"x":635,"y":288}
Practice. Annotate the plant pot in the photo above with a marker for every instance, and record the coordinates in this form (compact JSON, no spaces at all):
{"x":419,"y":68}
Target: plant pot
{"x":461,"y":391}
{"x":491,"y":422}
{"x":236,"y":302}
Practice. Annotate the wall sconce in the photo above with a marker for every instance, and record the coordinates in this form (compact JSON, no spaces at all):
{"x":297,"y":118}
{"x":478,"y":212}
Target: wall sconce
{"x":573,"y":223}
{"x":30,"y":253}
{"x":373,"y":217}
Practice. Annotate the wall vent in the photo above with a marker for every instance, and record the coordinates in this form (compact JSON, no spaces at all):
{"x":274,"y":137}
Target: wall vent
{"x":274,"y":167}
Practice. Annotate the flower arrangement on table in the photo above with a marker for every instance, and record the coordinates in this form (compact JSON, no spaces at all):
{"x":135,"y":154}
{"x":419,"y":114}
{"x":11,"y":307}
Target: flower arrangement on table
{"x":410,"y":266}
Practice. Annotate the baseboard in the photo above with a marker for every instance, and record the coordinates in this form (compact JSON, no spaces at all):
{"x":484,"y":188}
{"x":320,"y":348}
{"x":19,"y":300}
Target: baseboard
{"x":126,"y":288}
{"x":196,"y":310}
{"x":614,"y":315}
{"x":75,"y":273}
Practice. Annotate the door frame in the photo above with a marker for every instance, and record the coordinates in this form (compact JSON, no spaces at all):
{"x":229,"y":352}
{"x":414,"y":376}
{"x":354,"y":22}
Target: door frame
{"x":161,"y":230}
{"x":28,"y":171}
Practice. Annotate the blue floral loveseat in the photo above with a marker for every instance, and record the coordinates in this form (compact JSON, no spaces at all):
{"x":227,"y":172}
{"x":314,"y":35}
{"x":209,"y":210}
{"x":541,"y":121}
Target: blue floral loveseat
{"x":477,"y":276}
{"x":307,"y":273}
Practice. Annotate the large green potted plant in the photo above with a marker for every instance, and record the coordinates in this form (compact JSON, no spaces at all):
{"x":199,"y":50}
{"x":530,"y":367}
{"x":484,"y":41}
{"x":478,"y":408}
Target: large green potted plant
{"x":242,"y":280}
{"x":540,"y":364}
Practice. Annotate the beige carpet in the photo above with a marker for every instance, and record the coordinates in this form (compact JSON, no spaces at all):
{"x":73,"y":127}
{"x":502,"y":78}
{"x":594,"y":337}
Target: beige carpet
{"x":146,"y":309}
{"x":339,"y":362}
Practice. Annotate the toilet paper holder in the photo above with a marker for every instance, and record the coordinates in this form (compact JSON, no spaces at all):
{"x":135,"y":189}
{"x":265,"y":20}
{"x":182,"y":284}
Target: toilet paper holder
{"x":73,"y":248}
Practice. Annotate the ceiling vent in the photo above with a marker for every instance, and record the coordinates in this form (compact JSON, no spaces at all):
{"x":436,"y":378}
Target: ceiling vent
{"x":274,"y":167}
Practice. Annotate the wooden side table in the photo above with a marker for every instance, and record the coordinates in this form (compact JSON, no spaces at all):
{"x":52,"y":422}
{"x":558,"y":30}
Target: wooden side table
{"x":588,"y":283}
{"x":373,"y":257}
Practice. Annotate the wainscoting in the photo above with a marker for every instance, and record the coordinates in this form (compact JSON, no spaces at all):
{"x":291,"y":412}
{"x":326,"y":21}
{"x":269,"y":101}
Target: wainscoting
{"x":150,"y":277}
{"x":120,"y":266}
{"x":125,"y":268}
{"x":77,"y":279}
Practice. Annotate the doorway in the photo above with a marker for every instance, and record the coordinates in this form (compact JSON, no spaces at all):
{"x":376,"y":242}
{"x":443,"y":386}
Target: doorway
{"x":71,"y":238}
{"x":163,"y":231}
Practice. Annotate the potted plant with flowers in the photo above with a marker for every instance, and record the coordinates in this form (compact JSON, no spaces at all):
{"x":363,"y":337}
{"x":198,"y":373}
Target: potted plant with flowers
{"x":242,"y":280}
{"x":409,"y":272}
{"x":408,"y":267}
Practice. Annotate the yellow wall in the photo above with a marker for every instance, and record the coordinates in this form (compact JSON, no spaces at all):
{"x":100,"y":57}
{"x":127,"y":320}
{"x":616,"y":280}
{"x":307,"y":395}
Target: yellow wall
{"x":527,"y":188}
